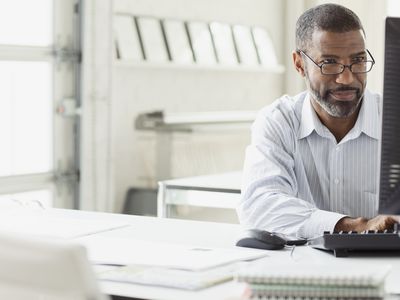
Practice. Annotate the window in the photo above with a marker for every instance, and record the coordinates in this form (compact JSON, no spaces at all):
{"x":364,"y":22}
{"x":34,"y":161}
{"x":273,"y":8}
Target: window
{"x":25,"y":117}
{"x":34,"y":80}
{"x":26,"y":22}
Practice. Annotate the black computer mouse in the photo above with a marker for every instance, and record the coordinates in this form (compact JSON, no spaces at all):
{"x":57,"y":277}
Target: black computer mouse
{"x":261,"y":239}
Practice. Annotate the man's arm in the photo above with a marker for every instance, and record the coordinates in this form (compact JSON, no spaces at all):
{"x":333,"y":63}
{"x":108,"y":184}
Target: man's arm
{"x":269,"y":186}
{"x":380,"y":222}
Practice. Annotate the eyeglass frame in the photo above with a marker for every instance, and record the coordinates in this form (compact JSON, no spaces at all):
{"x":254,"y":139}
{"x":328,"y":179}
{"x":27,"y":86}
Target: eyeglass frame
{"x":344,"y":66}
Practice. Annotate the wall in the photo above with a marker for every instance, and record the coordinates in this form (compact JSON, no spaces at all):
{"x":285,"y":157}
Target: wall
{"x":97,"y":189}
{"x":146,"y":88}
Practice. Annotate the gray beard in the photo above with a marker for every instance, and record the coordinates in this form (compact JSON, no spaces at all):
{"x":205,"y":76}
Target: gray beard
{"x":336,"y":110}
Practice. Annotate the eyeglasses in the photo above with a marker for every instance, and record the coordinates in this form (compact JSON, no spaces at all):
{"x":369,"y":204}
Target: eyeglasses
{"x":334,"y":68}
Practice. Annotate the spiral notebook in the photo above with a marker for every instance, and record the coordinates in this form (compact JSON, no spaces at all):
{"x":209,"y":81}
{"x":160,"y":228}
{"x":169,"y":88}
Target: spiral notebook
{"x":315,"y":281}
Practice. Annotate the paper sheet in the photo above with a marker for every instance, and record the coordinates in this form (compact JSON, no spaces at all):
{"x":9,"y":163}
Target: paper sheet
{"x":119,"y":251}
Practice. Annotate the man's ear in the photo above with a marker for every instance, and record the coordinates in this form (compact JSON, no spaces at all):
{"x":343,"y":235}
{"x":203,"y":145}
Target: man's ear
{"x":298,"y":62}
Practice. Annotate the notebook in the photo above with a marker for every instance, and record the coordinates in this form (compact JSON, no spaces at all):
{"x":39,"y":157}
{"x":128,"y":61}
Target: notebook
{"x":315,"y":281}
{"x":170,"y":277}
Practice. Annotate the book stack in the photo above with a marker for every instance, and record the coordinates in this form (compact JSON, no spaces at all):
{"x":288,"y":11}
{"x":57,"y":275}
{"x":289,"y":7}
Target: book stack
{"x":315,"y":281}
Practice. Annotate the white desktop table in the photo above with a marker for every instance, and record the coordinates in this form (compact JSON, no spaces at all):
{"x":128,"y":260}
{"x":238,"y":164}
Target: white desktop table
{"x":202,"y":234}
{"x":216,"y":190}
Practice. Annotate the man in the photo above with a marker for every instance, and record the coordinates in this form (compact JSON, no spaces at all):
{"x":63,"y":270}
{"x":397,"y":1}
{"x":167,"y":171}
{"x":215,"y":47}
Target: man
{"x":312,"y":162}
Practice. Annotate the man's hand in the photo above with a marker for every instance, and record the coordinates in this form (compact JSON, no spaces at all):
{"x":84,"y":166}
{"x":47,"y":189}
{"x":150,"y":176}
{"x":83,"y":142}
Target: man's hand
{"x":380,"y":222}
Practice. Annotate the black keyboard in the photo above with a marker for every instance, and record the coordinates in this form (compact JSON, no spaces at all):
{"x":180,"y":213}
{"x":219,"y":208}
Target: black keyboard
{"x":341,"y":243}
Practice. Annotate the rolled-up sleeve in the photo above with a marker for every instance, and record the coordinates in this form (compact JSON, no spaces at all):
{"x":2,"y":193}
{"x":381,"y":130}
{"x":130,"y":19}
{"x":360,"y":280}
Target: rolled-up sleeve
{"x":269,"y":187}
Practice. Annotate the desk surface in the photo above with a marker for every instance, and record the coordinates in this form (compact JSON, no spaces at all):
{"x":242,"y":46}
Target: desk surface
{"x":204,"y":234}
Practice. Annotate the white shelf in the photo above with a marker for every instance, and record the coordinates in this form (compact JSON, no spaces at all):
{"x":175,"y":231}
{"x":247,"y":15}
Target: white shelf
{"x":279,"y":69}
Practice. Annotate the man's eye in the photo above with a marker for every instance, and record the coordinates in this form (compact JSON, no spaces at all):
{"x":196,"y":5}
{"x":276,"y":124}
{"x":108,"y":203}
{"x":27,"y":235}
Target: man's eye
{"x":329,"y":61}
{"x":359,"y":59}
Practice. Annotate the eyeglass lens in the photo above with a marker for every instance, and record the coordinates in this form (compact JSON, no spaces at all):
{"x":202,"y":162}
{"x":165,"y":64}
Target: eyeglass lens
{"x":359,"y":67}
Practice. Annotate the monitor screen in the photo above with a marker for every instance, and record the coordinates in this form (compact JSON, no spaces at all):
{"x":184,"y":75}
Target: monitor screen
{"x":389,"y":187}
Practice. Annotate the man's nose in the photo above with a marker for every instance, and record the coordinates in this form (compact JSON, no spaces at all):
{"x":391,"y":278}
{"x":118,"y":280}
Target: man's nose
{"x":346,"y":77}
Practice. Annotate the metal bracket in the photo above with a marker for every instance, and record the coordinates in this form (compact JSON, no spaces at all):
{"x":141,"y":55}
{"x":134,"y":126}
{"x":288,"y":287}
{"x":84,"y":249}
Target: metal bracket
{"x":65,"y":54}
{"x":68,"y":108}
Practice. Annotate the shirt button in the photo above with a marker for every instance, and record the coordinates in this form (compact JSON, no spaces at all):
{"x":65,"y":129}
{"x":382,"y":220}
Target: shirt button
{"x":336,"y":181}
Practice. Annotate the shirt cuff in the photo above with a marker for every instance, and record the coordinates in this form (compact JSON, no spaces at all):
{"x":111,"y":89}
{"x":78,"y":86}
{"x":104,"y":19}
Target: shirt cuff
{"x":318,"y":222}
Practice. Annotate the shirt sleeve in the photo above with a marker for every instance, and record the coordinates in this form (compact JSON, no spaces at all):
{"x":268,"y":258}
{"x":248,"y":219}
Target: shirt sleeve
{"x":269,"y":186}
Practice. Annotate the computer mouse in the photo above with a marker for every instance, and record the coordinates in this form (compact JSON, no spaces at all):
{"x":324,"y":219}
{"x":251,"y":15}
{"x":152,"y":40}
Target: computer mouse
{"x":261,"y":239}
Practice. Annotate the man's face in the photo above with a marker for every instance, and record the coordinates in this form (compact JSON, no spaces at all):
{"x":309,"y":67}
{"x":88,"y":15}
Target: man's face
{"x":338,"y":95}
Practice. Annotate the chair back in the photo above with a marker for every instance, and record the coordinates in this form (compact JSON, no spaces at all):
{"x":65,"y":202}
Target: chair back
{"x":33,"y":268}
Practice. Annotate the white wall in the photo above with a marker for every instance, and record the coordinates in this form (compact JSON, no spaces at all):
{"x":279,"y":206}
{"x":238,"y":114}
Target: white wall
{"x":97,"y":189}
{"x":140,"y":89}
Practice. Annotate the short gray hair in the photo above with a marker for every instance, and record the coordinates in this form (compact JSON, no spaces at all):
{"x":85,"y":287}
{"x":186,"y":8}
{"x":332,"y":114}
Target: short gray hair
{"x":325,"y":17}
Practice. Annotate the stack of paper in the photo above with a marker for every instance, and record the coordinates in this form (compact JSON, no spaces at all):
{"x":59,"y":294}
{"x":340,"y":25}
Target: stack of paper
{"x":162,"y":264}
{"x":122,"y":251}
{"x":316,"y":281}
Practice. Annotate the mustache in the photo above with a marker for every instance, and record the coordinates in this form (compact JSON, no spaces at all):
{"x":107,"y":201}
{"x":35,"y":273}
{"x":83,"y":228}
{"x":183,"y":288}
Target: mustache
{"x":343,"y":89}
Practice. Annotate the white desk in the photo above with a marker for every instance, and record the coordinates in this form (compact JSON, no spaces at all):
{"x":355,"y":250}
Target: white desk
{"x":214,"y":191}
{"x":203,"y":234}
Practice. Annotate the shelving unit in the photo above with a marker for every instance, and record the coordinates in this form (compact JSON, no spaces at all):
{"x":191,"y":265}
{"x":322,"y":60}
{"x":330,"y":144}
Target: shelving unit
{"x":279,"y":69}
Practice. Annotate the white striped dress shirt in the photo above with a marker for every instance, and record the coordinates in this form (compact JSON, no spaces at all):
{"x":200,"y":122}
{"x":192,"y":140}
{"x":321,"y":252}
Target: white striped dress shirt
{"x":298,"y":180}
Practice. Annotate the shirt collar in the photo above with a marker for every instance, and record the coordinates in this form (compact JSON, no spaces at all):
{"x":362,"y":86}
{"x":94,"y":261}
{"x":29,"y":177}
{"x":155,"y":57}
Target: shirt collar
{"x":368,"y":118}
{"x":367,"y":121}
{"x":309,"y":120}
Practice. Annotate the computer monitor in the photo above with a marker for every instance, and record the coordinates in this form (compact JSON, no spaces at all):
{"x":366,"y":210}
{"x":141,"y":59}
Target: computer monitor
{"x":389,"y":187}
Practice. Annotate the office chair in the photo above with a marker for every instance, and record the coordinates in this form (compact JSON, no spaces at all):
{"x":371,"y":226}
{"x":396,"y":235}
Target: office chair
{"x":39,"y":269}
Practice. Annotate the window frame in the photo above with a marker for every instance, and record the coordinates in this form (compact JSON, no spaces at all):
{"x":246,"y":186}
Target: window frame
{"x":63,"y":55}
